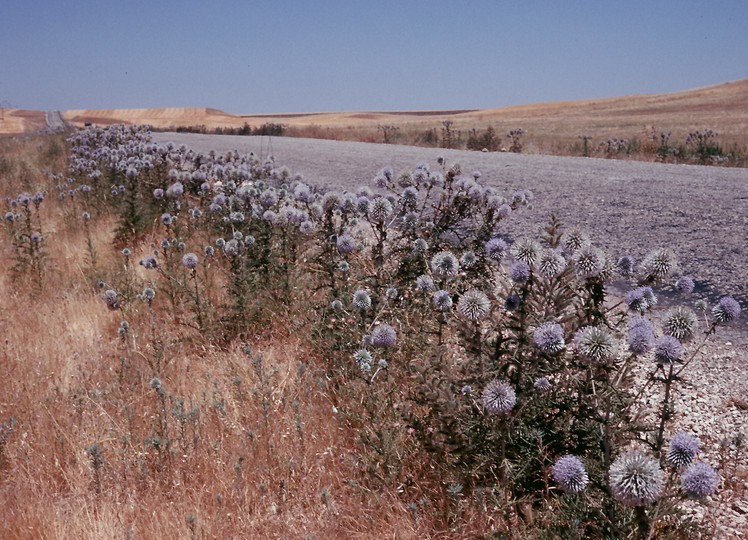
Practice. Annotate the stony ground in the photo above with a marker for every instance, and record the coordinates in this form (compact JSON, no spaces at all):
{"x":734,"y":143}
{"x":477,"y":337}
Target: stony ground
{"x":627,"y":208}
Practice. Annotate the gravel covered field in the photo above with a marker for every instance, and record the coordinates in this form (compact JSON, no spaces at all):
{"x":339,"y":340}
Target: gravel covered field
{"x":627,"y":207}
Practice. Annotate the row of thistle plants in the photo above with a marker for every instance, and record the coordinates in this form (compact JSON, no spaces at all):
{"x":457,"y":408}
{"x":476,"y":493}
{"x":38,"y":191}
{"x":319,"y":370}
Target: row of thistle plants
{"x":507,"y":361}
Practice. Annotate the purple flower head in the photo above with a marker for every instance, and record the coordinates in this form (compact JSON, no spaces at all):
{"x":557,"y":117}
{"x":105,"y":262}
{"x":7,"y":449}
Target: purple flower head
{"x":520,"y":272}
{"x":383,"y":336}
{"x":542,"y":384}
{"x":699,"y":480}
{"x":149,"y":262}
{"x":659,"y":263}
{"x":499,"y":397}
{"x":626,"y":265}
{"x":111,"y":299}
{"x":444,"y":264}
{"x":495,"y":249}
{"x":667,"y":350}
{"x":361,"y":300}
{"x":549,"y":337}
{"x":596,"y":343}
{"x":474,"y":305}
{"x":526,"y":250}
{"x":637,"y":299}
{"x":512,"y":302}
{"x":589,"y":261}
{"x":468,"y":259}
{"x":36,"y":238}
{"x":270,"y":216}
{"x":640,"y":335}
{"x":268,"y":198}
{"x":380,"y":209}
{"x":685,"y":284}
{"x":550,"y":263}
{"x":424,"y":283}
{"x":636,"y":478}
{"x":726,"y":310}
{"x":190,"y":261}
{"x":38,"y":197}
{"x":175,"y":190}
{"x":346,"y":244}
{"x":574,"y":240}
{"x":306,"y":227}
{"x":442,"y":300}
{"x":167,"y":219}
{"x":683,"y":448}
{"x":681,"y":323}
{"x":569,"y":473}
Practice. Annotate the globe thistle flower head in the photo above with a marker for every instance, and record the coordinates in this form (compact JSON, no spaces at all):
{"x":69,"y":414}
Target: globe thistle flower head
{"x":424,"y":283}
{"x":699,"y":480}
{"x":520,"y":272}
{"x":343,"y":266}
{"x":499,"y":397}
{"x":269,"y":216}
{"x":364,"y":360}
{"x":573,"y":240}
{"x":442,"y":301}
{"x":468,"y":259}
{"x":659,"y":263}
{"x":685,"y":284}
{"x":10,"y":217}
{"x":306,"y":227}
{"x":681,"y":323}
{"x":549,"y":337}
{"x":383,"y":336}
{"x":569,"y":473}
{"x":38,"y":198}
{"x":635,"y":478}
{"x":640,"y":335}
{"x":420,"y":245}
{"x":36,"y":238}
{"x":268,"y":198}
{"x":495,"y":249}
{"x":190,"y":261}
{"x":209,"y":251}
{"x":683,"y":448}
{"x":380,"y":209}
{"x":596,"y":343}
{"x":361,"y":300}
{"x":542,"y":384}
{"x":149,"y":262}
{"x":409,"y":197}
{"x":167,"y":219}
{"x":626,"y":266}
{"x":474,"y":305}
{"x":175,"y":190}
{"x":726,"y":310}
{"x":346,"y":244}
{"x":126,"y":252}
{"x":111,"y":299}
{"x":637,"y":300}
{"x":512,"y":302}
{"x":238,"y":235}
{"x":526,"y":250}
{"x":667,"y":350}
{"x":550,"y":263}
{"x":589,"y":261}
{"x":336,"y":305}
{"x":444,"y":264}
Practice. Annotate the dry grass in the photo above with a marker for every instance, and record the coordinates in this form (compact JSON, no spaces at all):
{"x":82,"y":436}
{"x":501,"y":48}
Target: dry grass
{"x":257,"y":451}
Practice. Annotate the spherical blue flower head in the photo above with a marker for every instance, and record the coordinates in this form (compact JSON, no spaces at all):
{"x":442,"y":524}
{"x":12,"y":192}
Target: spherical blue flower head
{"x":596,"y":343}
{"x":420,"y":245}
{"x":640,"y":335}
{"x":659,"y":263}
{"x":636,"y":478}
{"x":10,"y":216}
{"x":569,"y":473}
{"x":512,"y":302}
{"x":306,"y":227}
{"x":667,"y":350}
{"x":424,"y":283}
{"x":268,"y":198}
{"x":36,"y":238}
{"x":231,"y":248}
{"x":683,"y":448}
{"x":364,"y":360}
{"x":726,"y":310}
{"x":445,"y":265}
{"x":681,"y":323}
{"x":380,"y":209}
{"x":520,"y":272}
{"x":302,"y":193}
{"x":589,"y":261}
{"x":636,"y":300}
{"x":504,"y":211}
{"x":549,"y":337}
{"x":362,"y":205}
{"x":346,"y":244}
{"x":442,"y":301}
{"x":699,"y":481}
{"x":550,"y":263}
{"x":38,"y":197}
{"x":474,"y":305}
{"x":542,"y":384}
{"x":111,"y":299}
{"x":383,"y":336}
{"x":626,"y":265}
{"x":526,"y":250}
{"x":126,"y":252}
{"x":499,"y":397}
{"x":361,"y":300}
{"x":269,"y":216}
{"x":175,"y":190}
{"x":495,"y":249}
{"x":685,"y":285}
{"x":468,"y":259}
{"x":190,"y":261}
{"x":167,"y":219}
{"x":574,"y":240}
{"x":331,"y":201}
{"x":409,"y":197}
{"x":209,"y":251}
{"x":149,"y":262}
{"x":336,"y":305}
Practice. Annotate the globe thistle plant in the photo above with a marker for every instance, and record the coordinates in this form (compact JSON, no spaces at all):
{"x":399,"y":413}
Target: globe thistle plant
{"x":685,"y":285}
{"x":726,"y":310}
{"x":380,"y":209}
{"x":596,"y":343}
{"x":542,"y":384}
{"x":499,"y":397}
{"x":442,"y":301}
{"x":383,"y":336}
{"x":550,"y":263}
{"x":573,"y":240}
{"x":474,"y":305}
{"x":361,"y":300}
{"x":445,"y":265}
{"x":526,"y":250}
{"x":667,"y":350}
{"x":681,"y":323}
{"x":699,"y":480}
{"x":569,"y":473}
{"x":190,"y":261}
{"x":589,"y":261}
{"x":549,"y":337}
{"x":346,"y":244}
{"x":424,"y":283}
{"x":495,"y":249}
{"x":626,"y":266}
{"x":683,"y":448}
{"x":636,"y":478}
{"x":659,"y":263}
{"x":640,"y":335}
{"x":520,"y":272}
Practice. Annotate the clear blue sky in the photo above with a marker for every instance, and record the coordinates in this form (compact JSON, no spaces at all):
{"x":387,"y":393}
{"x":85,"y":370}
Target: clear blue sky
{"x":284,"y":56}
